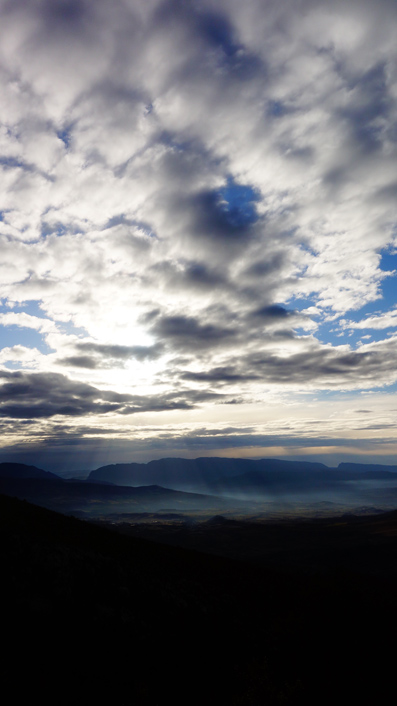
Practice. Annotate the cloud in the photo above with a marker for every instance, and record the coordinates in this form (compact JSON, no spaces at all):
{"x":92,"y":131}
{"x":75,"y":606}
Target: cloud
{"x":27,"y":321}
{"x":378,"y":321}
{"x":79,"y":361}
{"x":188,"y":181}
{"x":187,"y":332}
{"x":314,"y":366}
{"x":35,"y":395}
{"x":45,"y":395}
{"x":107,"y":356}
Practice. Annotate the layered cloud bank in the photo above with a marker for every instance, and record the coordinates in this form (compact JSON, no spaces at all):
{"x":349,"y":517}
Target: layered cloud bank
{"x":197,"y":217}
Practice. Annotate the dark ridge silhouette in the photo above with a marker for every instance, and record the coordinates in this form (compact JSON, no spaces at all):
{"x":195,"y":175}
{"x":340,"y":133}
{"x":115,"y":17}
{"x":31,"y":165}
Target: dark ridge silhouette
{"x":215,"y":474}
{"x":362,"y":543}
{"x":21,"y":470}
{"x":182,"y":470}
{"x":98,"y":499}
{"x":93,"y":616}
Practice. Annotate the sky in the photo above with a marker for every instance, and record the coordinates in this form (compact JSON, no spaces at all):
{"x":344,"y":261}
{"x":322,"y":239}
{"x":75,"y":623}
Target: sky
{"x":198,"y":230}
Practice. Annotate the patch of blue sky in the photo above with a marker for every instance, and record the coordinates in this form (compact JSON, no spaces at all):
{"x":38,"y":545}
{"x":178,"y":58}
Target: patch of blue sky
{"x":238,"y":203}
{"x":389,"y":388}
{"x":122,"y":219}
{"x":65,"y":136}
{"x":389,"y":284}
{"x":71,"y":330}
{"x":360,"y":393}
{"x":377,"y":307}
{"x":181,"y":145}
{"x":58,"y":228}
{"x":218,"y":32}
{"x":300,"y":303}
{"x":170,"y":140}
{"x":330,"y":332}
{"x":12,"y":163}
{"x":22,"y":336}
{"x":277,"y":109}
{"x":13,"y":365}
{"x":31,"y":307}
{"x":236,"y":58}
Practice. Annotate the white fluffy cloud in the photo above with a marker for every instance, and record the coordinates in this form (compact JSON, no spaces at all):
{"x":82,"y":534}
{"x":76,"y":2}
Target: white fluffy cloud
{"x":378,"y":321}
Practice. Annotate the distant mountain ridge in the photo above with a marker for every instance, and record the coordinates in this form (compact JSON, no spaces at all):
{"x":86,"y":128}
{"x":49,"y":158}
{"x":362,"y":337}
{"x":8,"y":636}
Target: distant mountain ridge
{"x":202,"y":485}
{"x":211,"y":473}
{"x":205,"y":472}
{"x":217,"y":474}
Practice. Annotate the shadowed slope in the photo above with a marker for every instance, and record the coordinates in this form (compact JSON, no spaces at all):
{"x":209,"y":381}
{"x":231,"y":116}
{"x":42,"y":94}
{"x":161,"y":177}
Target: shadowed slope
{"x":92,"y":616}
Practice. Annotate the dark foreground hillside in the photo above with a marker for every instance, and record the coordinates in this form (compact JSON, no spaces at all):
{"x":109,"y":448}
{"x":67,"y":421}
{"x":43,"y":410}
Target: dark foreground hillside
{"x":91,"y":616}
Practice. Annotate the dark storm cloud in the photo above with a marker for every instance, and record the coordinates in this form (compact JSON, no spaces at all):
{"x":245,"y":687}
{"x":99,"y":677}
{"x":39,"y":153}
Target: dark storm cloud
{"x":79,"y":361}
{"x":216,"y":219}
{"x":69,"y":14}
{"x":191,"y":275}
{"x":185,"y":399}
{"x":116,"y":352}
{"x":371,"y":104}
{"x":220,"y":374}
{"x":202,"y":275}
{"x":269,"y":266}
{"x":66,"y":19}
{"x":273,"y":313}
{"x":213,"y":28}
{"x":43,"y":395}
{"x":187,"y":332}
{"x":327,"y":365}
{"x":213,"y":32}
{"x":35,"y":395}
{"x":321,"y":366}
{"x":218,"y":328}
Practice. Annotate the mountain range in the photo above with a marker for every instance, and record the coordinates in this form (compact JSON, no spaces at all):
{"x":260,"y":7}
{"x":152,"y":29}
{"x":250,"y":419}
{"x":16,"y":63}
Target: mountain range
{"x":223,"y":475}
{"x":204,"y":485}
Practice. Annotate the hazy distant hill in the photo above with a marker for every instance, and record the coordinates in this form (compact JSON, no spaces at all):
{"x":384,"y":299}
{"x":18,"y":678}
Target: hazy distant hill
{"x":204,"y":473}
{"x":100,"y":499}
{"x":222,"y":475}
{"x":369,"y":467}
{"x":204,"y":485}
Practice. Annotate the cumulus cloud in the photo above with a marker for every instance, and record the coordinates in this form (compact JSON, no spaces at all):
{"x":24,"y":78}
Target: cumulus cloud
{"x":191,"y":192}
{"x":24,"y":320}
{"x":379,"y":321}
